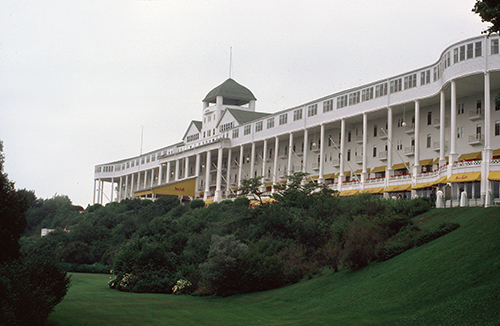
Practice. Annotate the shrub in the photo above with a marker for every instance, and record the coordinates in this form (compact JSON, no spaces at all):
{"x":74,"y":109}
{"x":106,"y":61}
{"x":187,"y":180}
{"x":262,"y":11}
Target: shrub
{"x":197,"y":203}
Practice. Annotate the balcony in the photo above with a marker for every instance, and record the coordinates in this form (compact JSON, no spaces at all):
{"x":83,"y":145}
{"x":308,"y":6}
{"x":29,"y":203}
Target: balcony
{"x":410,"y":129}
{"x":476,"y":114}
{"x":359,"y":139}
{"x":315,"y":166}
{"x":410,"y":151}
{"x":382,"y":155}
{"x":437,"y":123}
{"x":476,"y":139}
{"x":336,"y":162}
{"x":358,"y":159}
{"x":436,"y":146}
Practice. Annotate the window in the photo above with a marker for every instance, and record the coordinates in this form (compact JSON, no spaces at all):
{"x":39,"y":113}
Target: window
{"x":247,"y":130}
{"x":270,"y":123}
{"x":425,"y":77}
{"x":399,"y":145}
{"x":428,"y":140}
{"x":429,"y":118}
{"x":283,"y":119}
{"x":354,"y":98}
{"x":470,"y":50}
{"x":312,"y":110}
{"x":209,"y":133}
{"x":455,"y":55}
{"x":478,"y":129}
{"x":436,"y":73}
{"x":258,"y":126}
{"x":479,"y":49}
{"x":462,"y":53}
{"x":374,"y":150}
{"x":410,"y":81}
{"x":297,"y":115}
{"x":460,"y":108}
{"x":374,"y":130}
{"x":348,"y":155}
{"x":329,"y":140}
{"x":270,"y":153}
{"x":327,"y":106}
{"x":193,"y":137}
{"x":497,"y":128}
{"x":460,"y":132}
{"x":396,"y":85}
{"x":236,"y":133}
{"x":226,"y":127}
{"x":494,"y":46}
{"x":367,"y":94}
{"x":400,"y":122}
{"x":381,"y":90}
{"x":341,"y":101}
{"x":349,"y":136}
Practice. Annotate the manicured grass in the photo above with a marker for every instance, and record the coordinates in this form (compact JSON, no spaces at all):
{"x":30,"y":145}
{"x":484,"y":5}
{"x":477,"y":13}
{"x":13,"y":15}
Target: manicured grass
{"x":454,"y":280}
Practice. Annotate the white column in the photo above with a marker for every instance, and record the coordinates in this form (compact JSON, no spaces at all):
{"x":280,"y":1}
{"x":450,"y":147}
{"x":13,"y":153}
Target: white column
{"x":169,"y":171}
{"x":416,"y":166}
{"x":197,"y":173}
{"x":322,"y":155}
{"x":252,"y":161}
{"x":93,"y":200}
{"x":228,"y":173}
{"x":342,"y":152}
{"x":486,"y":155}
{"x":290,"y":153}
{"x":306,"y":149}
{"x":365,"y":146}
{"x":275,"y":167}
{"x":112,"y":188}
{"x":218,"y":187}
{"x":186,"y":173}
{"x":264,"y":151}
{"x":453,"y":136}
{"x":126,"y":186}
{"x":145,"y":178}
{"x":442,"y":125}
{"x":240,"y":165}
{"x":177,"y":169}
{"x":207,"y":175}
{"x":102,"y":191}
{"x":132,"y":185}
{"x":152,"y":177}
{"x":120,"y":189}
{"x":390,"y":147}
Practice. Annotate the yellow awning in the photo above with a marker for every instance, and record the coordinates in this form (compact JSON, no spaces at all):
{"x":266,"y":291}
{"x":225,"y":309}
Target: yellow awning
{"x":346,"y":193}
{"x":268,"y":184}
{"x":181,"y":188}
{"x":397,"y":188}
{"x":358,"y":171}
{"x":400,"y":166}
{"x":429,"y":161}
{"x":312,"y":178}
{"x":441,"y":180}
{"x":209,"y":202}
{"x":377,"y":190}
{"x":347,"y":173}
{"x":496,"y":152}
{"x":379,"y":169}
{"x":330,"y":176}
{"x":494,"y":176}
{"x":423,"y":185}
{"x":436,"y":161}
{"x":465,"y":177}
{"x":268,"y":200}
{"x":470,"y":156}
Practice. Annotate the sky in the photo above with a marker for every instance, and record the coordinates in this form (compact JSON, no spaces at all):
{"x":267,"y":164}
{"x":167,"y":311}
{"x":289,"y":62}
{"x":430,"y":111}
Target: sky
{"x":80,"y":80}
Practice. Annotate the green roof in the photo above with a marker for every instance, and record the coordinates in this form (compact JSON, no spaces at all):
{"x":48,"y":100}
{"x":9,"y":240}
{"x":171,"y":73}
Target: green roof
{"x":243,"y":116}
{"x":232,"y":92}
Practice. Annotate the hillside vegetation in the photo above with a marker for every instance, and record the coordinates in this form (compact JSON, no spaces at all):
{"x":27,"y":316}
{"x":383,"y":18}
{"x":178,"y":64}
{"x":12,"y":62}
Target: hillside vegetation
{"x":450,"y":281}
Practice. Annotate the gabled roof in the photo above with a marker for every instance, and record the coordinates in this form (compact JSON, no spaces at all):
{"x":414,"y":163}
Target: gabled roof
{"x":232,"y":92}
{"x":197,"y":124}
{"x":243,"y":116}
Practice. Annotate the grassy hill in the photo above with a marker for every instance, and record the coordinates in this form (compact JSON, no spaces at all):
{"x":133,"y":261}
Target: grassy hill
{"x":454,"y":280}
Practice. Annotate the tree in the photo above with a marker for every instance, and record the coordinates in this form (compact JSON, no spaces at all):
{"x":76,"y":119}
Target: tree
{"x":251,"y":186}
{"x":13,"y":206}
{"x":489,"y":11}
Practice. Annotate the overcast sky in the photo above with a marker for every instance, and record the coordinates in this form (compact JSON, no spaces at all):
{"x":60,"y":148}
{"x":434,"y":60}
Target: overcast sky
{"x":78,"y":79}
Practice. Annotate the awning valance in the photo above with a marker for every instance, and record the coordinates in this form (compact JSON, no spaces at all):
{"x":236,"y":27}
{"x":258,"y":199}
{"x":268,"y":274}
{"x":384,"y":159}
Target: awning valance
{"x":346,"y":193}
{"x":347,"y":173}
{"x":441,"y":180}
{"x":494,"y":176}
{"x":312,"y":178}
{"x":400,"y":166}
{"x":330,"y":176}
{"x":377,"y":190}
{"x":268,"y":184}
{"x":181,"y":188}
{"x":397,"y":188}
{"x":465,"y":177}
{"x":496,"y":152}
{"x":470,"y":156}
{"x":358,"y":171}
{"x":379,"y":169}
{"x":429,"y":161}
{"x":209,"y":202}
{"x":436,"y":161}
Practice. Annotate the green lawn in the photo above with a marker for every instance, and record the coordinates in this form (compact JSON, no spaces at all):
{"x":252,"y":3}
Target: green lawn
{"x":454,"y":280}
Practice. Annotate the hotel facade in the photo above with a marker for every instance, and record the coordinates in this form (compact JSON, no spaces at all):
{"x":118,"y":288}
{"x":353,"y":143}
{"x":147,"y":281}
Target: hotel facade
{"x":437,"y":126}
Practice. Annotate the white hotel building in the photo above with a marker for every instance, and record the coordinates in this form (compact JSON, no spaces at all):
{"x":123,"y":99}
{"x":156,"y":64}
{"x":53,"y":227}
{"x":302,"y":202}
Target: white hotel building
{"x":437,"y":126}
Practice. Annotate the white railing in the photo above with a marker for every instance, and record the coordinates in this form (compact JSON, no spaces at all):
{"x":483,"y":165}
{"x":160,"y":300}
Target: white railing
{"x":428,"y":174}
{"x":409,"y":150}
{"x":467,"y":163}
{"x":476,"y":138}
{"x":382,"y":155}
{"x":401,"y":177}
{"x":495,"y":162}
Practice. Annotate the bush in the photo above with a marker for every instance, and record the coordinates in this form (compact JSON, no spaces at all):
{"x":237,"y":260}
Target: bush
{"x":197,"y":203}
{"x":30,"y":289}
{"x":87,"y":268}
